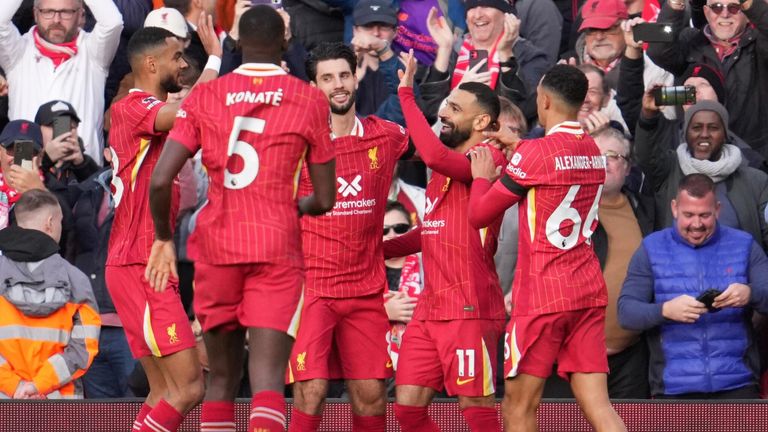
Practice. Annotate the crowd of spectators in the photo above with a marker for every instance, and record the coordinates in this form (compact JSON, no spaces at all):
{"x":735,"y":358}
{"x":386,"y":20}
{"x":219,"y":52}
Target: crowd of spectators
{"x":683,"y":209}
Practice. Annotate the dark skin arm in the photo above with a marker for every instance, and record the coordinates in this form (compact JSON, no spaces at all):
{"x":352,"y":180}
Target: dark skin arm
{"x":323,"y":177}
{"x":162,"y":259}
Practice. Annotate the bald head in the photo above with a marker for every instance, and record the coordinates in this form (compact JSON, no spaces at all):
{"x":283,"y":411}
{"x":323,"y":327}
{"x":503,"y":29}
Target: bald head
{"x":262,"y":31}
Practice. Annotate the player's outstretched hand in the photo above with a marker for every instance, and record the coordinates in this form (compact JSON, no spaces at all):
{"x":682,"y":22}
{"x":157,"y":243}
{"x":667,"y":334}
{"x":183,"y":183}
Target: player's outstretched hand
{"x":208,"y":35}
{"x":161,"y":265}
{"x":483,"y":165}
{"x":506,"y":137}
{"x":406,"y":76}
{"x":399,"y":306}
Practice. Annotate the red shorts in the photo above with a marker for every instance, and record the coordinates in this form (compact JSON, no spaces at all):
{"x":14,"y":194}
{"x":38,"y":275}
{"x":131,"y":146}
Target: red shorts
{"x":154,"y":323}
{"x":262,"y":295}
{"x":341,"y":338}
{"x":458,"y":355}
{"x":573,"y":339}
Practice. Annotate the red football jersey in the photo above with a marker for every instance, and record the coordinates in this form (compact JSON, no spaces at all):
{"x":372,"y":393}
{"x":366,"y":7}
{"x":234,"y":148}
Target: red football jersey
{"x":135,"y":147}
{"x":562,"y":177}
{"x":342,"y":249}
{"x":460,"y":280}
{"x":254,"y":127}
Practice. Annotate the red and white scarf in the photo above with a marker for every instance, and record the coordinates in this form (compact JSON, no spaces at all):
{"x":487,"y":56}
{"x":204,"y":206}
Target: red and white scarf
{"x":58,"y":53}
{"x":462,"y":63}
{"x":410,"y":282}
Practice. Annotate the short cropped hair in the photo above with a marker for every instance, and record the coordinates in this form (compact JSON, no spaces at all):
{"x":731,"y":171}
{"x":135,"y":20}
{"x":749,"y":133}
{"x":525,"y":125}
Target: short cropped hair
{"x":262,"y":28}
{"x":486,"y":99}
{"x":33,"y":201}
{"x":568,"y":83}
{"x":146,"y":39}
{"x":696,"y":185}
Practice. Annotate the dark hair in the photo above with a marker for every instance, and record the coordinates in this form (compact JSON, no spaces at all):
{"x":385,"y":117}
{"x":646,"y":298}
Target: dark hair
{"x":33,"y":200}
{"x":586,"y":68}
{"x":486,"y":99}
{"x":697,"y":185}
{"x":180,"y":5}
{"x":398,"y":206}
{"x":329,"y":51}
{"x":145,"y":39}
{"x":568,"y":83}
{"x":262,"y":28}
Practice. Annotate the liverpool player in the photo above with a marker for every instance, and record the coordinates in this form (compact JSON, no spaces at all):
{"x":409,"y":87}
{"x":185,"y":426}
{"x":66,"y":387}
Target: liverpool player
{"x":559,"y":301}
{"x":253,"y":126}
{"x":451,"y":341}
{"x":344,"y":324}
{"x":156,"y":324}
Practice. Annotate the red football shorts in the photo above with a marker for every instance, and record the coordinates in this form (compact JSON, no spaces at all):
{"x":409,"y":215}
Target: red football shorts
{"x":458,"y":355}
{"x":573,"y":339}
{"x":262,"y":295}
{"x":341,"y":338}
{"x":154,"y":323}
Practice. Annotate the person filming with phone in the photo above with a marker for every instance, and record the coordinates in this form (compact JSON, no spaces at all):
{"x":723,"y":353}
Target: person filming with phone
{"x":20,"y":145}
{"x":693,"y":288}
{"x":705,"y":147}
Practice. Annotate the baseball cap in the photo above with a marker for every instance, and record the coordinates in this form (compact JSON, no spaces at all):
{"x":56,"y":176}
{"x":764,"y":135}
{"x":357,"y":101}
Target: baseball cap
{"x":602,"y":14}
{"x":17,"y":130}
{"x":371,"y":11}
{"x":506,"y":6}
{"x":170,"y":19}
{"x":55,"y":108}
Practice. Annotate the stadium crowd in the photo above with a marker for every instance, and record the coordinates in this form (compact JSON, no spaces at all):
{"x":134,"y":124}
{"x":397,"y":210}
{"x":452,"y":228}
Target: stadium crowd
{"x":414,"y":114}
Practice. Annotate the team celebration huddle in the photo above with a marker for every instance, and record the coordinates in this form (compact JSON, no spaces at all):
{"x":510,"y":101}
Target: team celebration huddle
{"x":246,"y":180}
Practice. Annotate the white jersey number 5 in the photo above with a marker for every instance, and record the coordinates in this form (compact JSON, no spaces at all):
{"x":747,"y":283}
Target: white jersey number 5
{"x":245,"y":150}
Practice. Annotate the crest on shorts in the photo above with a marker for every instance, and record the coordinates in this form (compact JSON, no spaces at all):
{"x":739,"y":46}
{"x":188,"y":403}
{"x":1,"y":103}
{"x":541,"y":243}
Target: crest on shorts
{"x":373,"y":156}
{"x":173,"y":338}
{"x":300,"y":361}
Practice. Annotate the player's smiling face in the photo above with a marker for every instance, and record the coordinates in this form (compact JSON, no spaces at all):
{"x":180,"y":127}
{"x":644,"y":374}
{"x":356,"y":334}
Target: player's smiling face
{"x":338,"y":82}
{"x":457,"y":117}
{"x":170,"y":64}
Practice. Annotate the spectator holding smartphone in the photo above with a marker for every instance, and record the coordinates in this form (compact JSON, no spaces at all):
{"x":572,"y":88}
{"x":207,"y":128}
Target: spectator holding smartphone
{"x":697,"y":350}
{"x":15,"y":180}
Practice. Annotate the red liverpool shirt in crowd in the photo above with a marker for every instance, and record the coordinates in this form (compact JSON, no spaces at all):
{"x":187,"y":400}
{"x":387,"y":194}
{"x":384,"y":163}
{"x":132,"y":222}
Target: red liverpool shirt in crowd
{"x":559,"y":179}
{"x":254,"y":127}
{"x":135,"y":147}
{"x":460,"y":280}
{"x":342,"y":249}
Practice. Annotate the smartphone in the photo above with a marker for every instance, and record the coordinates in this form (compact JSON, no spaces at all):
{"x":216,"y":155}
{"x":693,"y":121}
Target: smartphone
{"x":708,"y":297}
{"x":275,"y":4}
{"x":676,"y":95}
{"x":23,"y":152}
{"x":476,"y":56}
{"x":653,"y":32}
{"x":61,"y":125}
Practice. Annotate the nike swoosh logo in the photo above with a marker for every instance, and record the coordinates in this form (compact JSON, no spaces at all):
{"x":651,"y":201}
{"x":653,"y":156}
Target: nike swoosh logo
{"x":389,"y":364}
{"x":460,"y":381}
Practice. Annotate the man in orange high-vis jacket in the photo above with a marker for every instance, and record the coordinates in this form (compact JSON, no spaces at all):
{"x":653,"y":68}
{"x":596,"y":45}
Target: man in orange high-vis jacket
{"x":49,"y":322}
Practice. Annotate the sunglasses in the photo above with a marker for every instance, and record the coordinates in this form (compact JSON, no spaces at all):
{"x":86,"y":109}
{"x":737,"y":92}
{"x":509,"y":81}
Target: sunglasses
{"x":400,"y":228}
{"x":718,"y":8}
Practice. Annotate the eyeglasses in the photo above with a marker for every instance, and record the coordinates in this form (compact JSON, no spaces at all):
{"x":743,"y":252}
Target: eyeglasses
{"x":65,"y":14}
{"x":718,"y":8}
{"x":614,"y":156}
{"x":400,"y":228}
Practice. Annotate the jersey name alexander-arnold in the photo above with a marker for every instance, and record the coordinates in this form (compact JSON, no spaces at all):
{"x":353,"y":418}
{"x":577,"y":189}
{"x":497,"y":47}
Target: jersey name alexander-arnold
{"x":574,"y":162}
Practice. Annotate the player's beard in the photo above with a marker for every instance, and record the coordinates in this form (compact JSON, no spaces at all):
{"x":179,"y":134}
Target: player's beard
{"x":342,"y":109}
{"x":455,"y":137}
{"x":171,"y":84}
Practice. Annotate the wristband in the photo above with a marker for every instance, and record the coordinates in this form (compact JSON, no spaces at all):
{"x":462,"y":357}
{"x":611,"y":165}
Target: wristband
{"x":214,"y":63}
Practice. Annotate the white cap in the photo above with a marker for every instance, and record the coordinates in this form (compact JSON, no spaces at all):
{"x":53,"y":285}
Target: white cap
{"x":169,"y":19}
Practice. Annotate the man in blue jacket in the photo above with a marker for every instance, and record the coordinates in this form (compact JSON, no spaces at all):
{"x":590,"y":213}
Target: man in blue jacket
{"x":692,"y":287}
